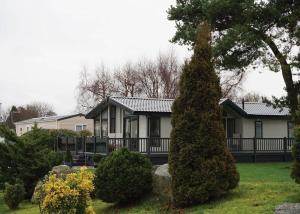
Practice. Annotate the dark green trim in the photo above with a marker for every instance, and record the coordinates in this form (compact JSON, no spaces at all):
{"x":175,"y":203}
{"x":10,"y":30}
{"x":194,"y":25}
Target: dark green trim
{"x":103,"y":104}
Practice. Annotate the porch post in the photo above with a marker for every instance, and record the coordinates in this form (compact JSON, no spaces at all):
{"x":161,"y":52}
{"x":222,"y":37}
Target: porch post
{"x":148,"y":146}
{"x":95,"y":141}
{"x":107,"y":145}
{"x":254,"y":149}
{"x":67,"y":142}
{"x":76,"y":149}
{"x":284,"y":148}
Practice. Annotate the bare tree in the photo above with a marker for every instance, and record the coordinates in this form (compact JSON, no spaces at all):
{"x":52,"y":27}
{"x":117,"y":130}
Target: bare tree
{"x":169,"y":72}
{"x":231,"y":83}
{"x":4,"y":114}
{"x":149,"y":78}
{"x":92,"y":89}
{"x":18,"y":113}
{"x":40,"y":109}
{"x":157,"y":78}
{"x":252,"y":97}
{"x":128,"y":83}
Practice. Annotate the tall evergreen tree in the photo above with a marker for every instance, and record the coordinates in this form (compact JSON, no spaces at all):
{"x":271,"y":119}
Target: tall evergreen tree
{"x":247,"y":34}
{"x":201,"y":166}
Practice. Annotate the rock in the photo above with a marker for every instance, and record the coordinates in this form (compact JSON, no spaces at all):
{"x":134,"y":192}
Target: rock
{"x":162,"y":183}
{"x":288,"y":208}
{"x":61,"y":171}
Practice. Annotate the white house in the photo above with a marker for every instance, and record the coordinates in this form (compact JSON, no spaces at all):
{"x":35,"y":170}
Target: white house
{"x":131,"y":117}
{"x":74,"y":122}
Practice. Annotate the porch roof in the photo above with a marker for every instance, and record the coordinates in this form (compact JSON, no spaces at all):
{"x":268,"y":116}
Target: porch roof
{"x":156,"y":105}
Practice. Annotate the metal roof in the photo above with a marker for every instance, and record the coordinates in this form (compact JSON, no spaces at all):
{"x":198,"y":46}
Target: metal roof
{"x":156,"y":105}
{"x":47,"y":119}
{"x":145,"y":104}
{"x":255,"y":108}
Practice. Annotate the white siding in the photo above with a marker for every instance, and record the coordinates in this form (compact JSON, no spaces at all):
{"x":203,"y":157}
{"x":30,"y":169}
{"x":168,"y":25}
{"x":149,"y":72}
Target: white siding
{"x":271,"y":128}
{"x":143,"y":132}
{"x":70,"y":123}
{"x":44,"y":125}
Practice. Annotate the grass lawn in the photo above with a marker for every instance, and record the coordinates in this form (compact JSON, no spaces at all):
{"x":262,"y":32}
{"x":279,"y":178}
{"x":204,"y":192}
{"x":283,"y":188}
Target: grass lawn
{"x":262,"y":187}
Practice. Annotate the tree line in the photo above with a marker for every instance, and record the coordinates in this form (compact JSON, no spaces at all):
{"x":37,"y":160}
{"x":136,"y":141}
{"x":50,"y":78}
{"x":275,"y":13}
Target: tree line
{"x":158,"y":78}
{"x":23,"y":112}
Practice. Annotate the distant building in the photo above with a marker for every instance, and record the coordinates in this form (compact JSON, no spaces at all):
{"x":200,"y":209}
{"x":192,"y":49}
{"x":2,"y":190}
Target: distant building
{"x":75,"y":122}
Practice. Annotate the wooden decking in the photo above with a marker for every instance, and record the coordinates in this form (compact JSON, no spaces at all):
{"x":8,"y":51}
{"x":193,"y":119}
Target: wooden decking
{"x":243,"y":149}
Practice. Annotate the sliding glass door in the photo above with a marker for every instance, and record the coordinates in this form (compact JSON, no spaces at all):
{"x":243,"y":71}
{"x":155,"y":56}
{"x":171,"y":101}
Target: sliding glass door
{"x":131,"y":132}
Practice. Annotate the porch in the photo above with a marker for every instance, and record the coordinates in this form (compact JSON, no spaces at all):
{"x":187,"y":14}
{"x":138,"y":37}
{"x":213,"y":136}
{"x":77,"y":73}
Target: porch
{"x":243,"y":149}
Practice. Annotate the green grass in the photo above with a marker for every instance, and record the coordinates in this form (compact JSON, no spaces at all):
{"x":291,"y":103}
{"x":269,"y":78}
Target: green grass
{"x":262,"y":187}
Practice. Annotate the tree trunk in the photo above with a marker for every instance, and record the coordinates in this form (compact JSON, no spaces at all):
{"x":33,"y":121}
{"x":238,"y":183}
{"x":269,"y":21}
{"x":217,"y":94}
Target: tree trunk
{"x":292,"y":92}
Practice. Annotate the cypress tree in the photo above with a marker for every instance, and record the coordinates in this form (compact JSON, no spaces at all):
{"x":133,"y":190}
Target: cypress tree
{"x":201,"y":166}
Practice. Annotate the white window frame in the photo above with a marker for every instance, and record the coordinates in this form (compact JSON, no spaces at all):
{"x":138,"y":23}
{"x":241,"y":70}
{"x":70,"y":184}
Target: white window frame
{"x":82,"y":125}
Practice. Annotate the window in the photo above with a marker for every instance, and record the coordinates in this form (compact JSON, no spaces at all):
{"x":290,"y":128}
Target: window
{"x":131,"y":127}
{"x":290,"y":125}
{"x":97,"y":128}
{"x":154,"y":131}
{"x":104,"y":123}
{"x":112,"y":117}
{"x":27,"y":128}
{"x":80,"y":127}
{"x":258,"y":129}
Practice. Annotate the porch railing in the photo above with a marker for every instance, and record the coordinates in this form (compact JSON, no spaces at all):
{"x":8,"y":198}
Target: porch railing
{"x":162,"y":145}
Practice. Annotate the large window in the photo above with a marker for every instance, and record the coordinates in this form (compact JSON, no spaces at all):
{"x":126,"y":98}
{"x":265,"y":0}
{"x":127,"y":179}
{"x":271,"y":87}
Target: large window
{"x":154,"y":131}
{"x":290,"y":129}
{"x":104,"y":123}
{"x":112,"y":117}
{"x":97,"y":127}
{"x":131,"y":127}
{"x":229,"y":127}
{"x":258,"y":129}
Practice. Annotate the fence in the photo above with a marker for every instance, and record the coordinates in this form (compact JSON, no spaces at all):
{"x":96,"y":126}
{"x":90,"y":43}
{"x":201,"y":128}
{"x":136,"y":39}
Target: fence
{"x":108,"y":145}
{"x":243,"y":149}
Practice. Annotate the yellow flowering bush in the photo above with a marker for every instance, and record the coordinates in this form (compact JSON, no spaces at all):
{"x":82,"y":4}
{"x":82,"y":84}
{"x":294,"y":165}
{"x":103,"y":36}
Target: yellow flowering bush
{"x":68,"y":196}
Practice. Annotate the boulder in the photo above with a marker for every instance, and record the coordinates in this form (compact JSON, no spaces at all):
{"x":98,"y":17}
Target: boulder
{"x":288,"y":208}
{"x":61,"y":171}
{"x":162,"y":183}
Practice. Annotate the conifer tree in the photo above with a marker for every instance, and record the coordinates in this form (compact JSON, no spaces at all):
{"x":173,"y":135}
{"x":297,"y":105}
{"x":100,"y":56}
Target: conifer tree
{"x":201,"y":166}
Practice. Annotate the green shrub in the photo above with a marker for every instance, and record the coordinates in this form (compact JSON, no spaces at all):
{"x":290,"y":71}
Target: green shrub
{"x":97,"y":158}
{"x":123,"y":177}
{"x":201,"y":165}
{"x":13,"y":195}
{"x":295,"y":174}
{"x":55,"y":158}
{"x":66,"y":195}
{"x":85,"y":133}
{"x":29,"y":157}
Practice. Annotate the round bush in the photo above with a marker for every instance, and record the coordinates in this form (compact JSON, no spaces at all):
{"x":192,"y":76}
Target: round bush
{"x":123,"y":177}
{"x":13,"y":195}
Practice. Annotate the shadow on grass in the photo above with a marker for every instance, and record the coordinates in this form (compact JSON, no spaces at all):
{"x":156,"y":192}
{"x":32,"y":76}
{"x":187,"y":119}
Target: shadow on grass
{"x":151,"y":204}
{"x":148,"y":202}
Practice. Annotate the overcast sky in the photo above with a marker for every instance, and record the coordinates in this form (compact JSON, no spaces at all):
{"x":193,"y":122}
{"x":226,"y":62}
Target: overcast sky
{"x":45,"y":44}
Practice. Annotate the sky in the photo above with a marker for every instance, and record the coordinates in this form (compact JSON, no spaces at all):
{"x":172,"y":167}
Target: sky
{"x":44,"y":44}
